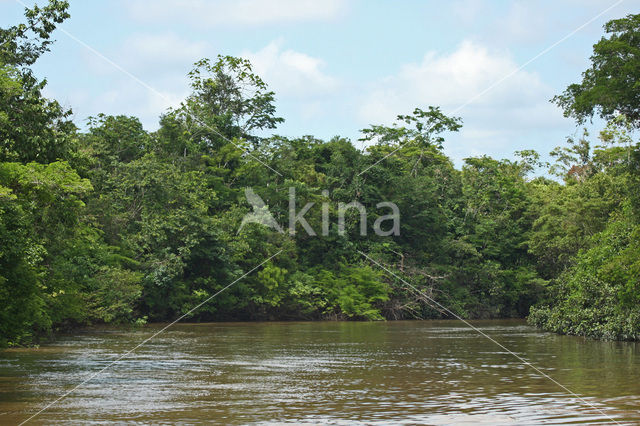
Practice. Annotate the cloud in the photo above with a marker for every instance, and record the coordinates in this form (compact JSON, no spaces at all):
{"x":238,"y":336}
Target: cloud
{"x":454,"y":79}
{"x":151,"y":55}
{"x":520,"y":21}
{"x":232,"y":12}
{"x":162,"y":49}
{"x":467,"y":10}
{"x":289,"y":73}
{"x":525,"y":22}
{"x":160,"y":60}
{"x":492,"y":121}
{"x":128,"y":98}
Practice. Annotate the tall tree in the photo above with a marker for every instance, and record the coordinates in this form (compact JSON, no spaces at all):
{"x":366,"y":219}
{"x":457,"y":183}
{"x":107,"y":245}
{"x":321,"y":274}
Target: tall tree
{"x":611,"y":85}
{"x":32,"y":128}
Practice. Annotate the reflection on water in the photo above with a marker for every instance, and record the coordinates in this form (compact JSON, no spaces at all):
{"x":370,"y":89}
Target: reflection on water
{"x":417,"y":372}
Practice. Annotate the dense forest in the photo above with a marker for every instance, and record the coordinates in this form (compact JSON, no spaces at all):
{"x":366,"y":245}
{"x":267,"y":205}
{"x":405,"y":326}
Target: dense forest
{"x":117,"y":224}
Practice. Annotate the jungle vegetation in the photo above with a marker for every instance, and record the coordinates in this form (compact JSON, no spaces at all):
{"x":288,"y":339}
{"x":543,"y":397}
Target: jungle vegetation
{"x":117,"y":224}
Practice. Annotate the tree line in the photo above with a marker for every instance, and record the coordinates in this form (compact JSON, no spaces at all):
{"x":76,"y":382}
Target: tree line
{"x":116,"y":224}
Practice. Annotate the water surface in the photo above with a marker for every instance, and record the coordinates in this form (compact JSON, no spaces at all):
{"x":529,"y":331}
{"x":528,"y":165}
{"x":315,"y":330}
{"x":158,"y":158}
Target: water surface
{"x":412,"y":372}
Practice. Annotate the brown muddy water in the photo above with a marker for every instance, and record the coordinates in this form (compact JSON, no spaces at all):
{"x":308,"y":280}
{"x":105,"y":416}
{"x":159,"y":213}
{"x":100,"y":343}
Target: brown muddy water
{"x":405,"y":372}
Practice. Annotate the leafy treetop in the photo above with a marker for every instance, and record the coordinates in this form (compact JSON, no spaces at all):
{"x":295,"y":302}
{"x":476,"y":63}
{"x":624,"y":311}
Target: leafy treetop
{"x":611,"y":86}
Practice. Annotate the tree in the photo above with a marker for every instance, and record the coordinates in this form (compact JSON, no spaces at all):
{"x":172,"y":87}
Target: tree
{"x":229,"y":102}
{"x":32,"y":128}
{"x":21,"y":45}
{"x":490,"y":246}
{"x":423,"y":128}
{"x":600,"y":296}
{"x":586,"y":232}
{"x":611,"y":85}
{"x":41,"y":215}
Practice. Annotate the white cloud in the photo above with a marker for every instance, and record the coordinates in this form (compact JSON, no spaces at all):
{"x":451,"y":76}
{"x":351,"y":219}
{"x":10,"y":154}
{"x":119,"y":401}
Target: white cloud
{"x":519,"y":21}
{"x":468,"y":10}
{"x":493,"y":121}
{"x":160,"y":60}
{"x":289,"y":73}
{"x":151,"y":55}
{"x":163,"y":60}
{"x":231,"y":12}
{"x":525,"y":22}
{"x":454,"y":79}
{"x":162,"y":49}
{"x":128,"y":98}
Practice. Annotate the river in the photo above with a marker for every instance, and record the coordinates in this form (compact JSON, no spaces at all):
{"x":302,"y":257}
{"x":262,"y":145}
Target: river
{"x":412,"y":372}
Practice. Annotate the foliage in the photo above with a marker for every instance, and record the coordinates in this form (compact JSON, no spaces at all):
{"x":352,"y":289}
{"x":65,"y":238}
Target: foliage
{"x":32,"y":128}
{"x":610,"y":86}
{"x":600,"y":296}
{"x":117,"y":224}
{"x":586,"y":235}
{"x":22,"y":44}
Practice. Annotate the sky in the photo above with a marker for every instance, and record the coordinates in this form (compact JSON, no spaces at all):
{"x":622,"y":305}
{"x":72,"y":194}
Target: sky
{"x":338,"y":66}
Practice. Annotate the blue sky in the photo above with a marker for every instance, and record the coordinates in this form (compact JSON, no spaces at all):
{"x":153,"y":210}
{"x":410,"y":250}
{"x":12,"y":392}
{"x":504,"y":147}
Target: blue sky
{"x":339,"y":65}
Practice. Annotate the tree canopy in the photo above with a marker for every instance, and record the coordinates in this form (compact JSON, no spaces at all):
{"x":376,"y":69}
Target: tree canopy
{"x":611,"y":85}
{"x":117,"y":224}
